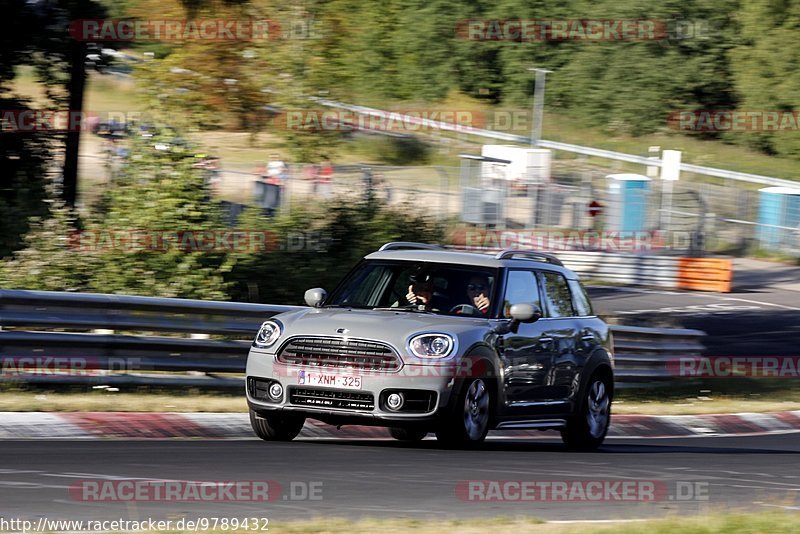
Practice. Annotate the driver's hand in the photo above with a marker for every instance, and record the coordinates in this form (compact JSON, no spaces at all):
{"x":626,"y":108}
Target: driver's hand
{"x":482,"y":303}
{"x":411,"y":297}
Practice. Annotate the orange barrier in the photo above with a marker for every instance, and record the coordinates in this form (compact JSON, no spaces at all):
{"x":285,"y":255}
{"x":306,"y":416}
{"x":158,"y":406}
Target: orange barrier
{"x":705,"y":274}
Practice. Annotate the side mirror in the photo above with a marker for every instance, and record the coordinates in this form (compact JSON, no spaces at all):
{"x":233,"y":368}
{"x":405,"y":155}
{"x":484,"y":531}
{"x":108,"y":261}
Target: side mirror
{"x":525,"y":313}
{"x":520,"y":313}
{"x":315,"y":297}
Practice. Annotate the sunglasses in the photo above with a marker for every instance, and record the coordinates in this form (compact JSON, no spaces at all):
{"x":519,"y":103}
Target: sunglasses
{"x":476,"y":287}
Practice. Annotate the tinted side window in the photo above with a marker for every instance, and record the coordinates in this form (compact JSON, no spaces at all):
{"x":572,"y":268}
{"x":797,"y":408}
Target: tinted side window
{"x":520,"y":288}
{"x":557,"y":296}
{"x":580,"y":300}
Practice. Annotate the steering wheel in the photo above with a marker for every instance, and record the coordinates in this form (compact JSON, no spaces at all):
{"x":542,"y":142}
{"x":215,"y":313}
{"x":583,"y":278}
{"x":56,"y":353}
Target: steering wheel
{"x":465,"y":309}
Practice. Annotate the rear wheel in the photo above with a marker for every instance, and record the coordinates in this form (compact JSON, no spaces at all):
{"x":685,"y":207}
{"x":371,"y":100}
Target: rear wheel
{"x":407,"y":434}
{"x":588,"y":429}
{"x":276,"y":427}
{"x":469,"y":422}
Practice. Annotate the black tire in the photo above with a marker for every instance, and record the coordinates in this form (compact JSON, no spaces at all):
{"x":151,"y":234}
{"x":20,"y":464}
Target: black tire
{"x":468,"y":422}
{"x":276,"y":427}
{"x":407,"y":434}
{"x":587,"y":430}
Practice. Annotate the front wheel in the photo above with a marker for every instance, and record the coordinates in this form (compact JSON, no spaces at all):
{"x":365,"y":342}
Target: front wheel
{"x":468,"y":424}
{"x":276,"y":427}
{"x":407,"y":434}
{"x":587,"y":430}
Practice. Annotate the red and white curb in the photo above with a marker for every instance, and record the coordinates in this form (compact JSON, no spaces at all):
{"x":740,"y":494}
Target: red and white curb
{"x":139,"y":425}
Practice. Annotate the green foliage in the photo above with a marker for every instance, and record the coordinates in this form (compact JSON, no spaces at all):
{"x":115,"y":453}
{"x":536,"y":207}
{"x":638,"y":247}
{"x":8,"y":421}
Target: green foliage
{"x":23,"y":164}
{"x":711,"y":55}
{"x":766,"y":69}
{"x":317,"y":248}
{"x":119,"y":250}
{"x":49,"y":260}
{"x":394,"y":150}
{"x":159,"y":192}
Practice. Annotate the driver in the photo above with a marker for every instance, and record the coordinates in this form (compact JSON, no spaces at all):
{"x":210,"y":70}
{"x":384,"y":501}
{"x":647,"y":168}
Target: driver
{"x":420,"y":292}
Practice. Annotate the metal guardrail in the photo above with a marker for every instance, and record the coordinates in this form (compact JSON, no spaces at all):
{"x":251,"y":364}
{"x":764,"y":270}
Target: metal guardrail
{"x":125,"y":312}
{"x":633,"y":269}
{"x":643,"y":356}
{"x":143,"y":358}
{"x":101,"y":356}
{"x":669,"y":272}
{"x":649,"y":270}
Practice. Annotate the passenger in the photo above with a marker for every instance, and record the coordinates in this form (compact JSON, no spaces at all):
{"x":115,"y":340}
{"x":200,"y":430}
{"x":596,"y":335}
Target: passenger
{"x":478,"y":289}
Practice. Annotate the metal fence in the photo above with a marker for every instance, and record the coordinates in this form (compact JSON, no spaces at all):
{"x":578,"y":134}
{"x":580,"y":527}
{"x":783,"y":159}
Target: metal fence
{"x":710,"y":210}
{"x":82,"y":338}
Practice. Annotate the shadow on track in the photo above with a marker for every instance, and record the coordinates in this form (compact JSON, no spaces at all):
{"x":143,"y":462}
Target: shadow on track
{"x":541,"y":446}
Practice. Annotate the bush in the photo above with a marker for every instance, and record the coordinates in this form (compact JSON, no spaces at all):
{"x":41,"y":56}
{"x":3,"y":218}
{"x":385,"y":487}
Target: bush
{"x":407,"y":150}
{"x":317,"y":248}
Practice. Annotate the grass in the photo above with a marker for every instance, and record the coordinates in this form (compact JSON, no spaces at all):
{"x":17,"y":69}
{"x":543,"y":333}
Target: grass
{"x":104,"y":93}
{"x":761,"y":522}
{"x":713,"y":396}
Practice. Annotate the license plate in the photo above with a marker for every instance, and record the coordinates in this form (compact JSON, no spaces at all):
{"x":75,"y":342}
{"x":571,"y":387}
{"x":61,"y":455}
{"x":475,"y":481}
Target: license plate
{"x":305,"y":378}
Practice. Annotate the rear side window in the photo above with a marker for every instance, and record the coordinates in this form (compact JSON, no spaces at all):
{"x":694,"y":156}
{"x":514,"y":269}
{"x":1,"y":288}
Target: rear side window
{"x":580,"y":300}
{"x":557,"y":296}
{"x":521,"y":288}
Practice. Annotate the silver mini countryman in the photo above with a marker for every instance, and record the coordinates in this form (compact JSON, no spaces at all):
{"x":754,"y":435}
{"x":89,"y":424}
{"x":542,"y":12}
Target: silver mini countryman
{"x":422,"y":339}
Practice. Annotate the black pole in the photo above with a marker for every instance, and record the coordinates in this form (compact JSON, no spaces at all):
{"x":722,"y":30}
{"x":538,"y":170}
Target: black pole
{"x":76,"y":87}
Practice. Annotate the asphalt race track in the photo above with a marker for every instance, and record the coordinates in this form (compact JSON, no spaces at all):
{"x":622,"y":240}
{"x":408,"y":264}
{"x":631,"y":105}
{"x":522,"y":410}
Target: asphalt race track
{"x":386,"y":478}
{"x":761,"y":317}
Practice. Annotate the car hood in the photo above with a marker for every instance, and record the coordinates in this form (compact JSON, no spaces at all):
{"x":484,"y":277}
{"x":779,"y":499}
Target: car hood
{"x":394,"y":327}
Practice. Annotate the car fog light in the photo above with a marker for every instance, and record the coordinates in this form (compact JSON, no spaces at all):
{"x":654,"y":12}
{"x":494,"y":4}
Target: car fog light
{"x":394,"y":401}
{"x":276,"y":391}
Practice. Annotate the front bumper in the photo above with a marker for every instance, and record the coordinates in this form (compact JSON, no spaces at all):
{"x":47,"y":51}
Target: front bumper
{"x":365,"y":405}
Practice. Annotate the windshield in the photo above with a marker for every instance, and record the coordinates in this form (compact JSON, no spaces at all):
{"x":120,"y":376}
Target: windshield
{"x":443,"y":289}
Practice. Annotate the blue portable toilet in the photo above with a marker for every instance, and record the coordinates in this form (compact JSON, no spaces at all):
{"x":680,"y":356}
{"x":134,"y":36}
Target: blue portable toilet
{"x":628,"y":196}
{"x":778,"y":206}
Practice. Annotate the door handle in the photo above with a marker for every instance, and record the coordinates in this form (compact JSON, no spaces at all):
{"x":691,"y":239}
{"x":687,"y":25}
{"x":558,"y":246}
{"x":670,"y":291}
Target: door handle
{"x":544,"y":340}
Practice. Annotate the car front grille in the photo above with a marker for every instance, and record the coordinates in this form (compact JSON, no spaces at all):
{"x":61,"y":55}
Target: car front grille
{"x":339,"y":353}
{"x":331,"y":399}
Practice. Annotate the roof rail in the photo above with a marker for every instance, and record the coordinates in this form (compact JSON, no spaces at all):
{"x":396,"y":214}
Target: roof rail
{"x":397,"y":245}
{"x":530,"y":255}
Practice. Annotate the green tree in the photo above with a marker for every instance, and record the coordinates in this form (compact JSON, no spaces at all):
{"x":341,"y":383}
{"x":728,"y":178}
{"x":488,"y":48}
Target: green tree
{"x":316,"y":248}
{"x":158,"y":193}
{"x":50,"y":259}
{"x":765,"y":67}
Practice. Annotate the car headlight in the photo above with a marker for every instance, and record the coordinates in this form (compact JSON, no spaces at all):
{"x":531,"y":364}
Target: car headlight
{"x":431,"y":345}
{"x":268,"y":334}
